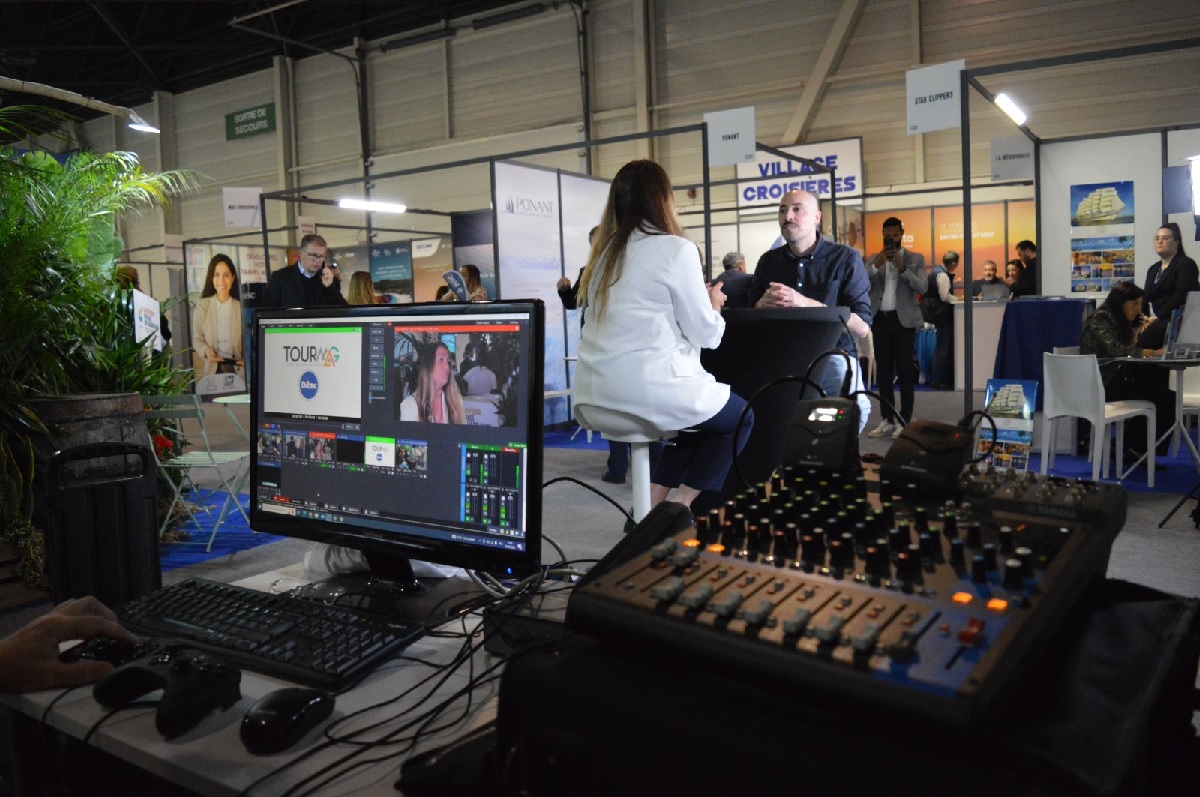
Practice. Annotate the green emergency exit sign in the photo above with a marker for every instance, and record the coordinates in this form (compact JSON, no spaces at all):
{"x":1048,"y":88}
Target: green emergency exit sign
{"x":250,"y":122}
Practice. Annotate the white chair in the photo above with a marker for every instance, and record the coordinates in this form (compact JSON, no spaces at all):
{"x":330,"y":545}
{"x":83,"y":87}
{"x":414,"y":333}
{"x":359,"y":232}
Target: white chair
{"x":199,"y":454}
{"x":626,"y":428}
{"x":1074,"y":389}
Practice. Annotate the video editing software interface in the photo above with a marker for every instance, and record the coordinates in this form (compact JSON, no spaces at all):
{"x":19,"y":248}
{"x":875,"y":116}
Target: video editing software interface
{"x":412,"y":423}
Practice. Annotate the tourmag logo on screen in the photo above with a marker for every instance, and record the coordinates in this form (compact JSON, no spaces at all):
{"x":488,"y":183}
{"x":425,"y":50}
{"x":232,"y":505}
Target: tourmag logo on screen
{"x":309,"y":361}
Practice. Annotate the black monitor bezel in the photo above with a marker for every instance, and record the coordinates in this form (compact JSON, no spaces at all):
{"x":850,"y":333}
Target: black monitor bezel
{"x":446,"y":552}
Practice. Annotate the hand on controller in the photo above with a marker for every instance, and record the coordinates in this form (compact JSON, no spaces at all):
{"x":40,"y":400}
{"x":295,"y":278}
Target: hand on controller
{"x":29,"y":658}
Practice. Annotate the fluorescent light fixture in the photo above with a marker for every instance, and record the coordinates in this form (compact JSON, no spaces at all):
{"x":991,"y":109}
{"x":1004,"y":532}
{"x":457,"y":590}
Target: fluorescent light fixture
{"x":1010,"y":109}
{"x":141,"y":125}
{"x":418,"y":38}
{"x":508,"y":16}
{"x":349,"y":203}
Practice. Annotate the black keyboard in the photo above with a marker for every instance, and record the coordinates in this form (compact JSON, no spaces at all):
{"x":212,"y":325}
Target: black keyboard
{"x":307,"y":642}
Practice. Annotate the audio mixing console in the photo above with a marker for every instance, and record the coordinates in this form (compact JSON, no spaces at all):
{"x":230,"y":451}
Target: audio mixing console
{"x":886,"y":601}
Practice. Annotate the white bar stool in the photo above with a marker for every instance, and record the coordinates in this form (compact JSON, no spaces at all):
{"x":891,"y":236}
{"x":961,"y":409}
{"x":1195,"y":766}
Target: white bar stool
{"x":626,"y":428}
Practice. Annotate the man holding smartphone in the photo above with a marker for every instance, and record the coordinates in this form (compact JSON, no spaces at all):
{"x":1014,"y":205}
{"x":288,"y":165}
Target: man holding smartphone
{"x":897,"y":276}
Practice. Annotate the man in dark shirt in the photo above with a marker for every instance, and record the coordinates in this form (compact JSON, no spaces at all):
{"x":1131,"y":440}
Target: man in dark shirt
{"x":308,"y":283}
{"x":735,"y":282}
{"x":1026,"y":282}
{"x":809,"y":270}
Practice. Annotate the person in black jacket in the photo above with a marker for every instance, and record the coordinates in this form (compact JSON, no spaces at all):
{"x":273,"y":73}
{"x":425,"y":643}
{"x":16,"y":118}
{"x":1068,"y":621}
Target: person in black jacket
{"x":1167,"y":284}
{"x":1026,"y":282}
{"x":308,"y":283}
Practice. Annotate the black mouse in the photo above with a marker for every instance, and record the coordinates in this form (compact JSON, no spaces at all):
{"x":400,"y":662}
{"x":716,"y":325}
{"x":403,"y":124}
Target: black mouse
{"x":279,"y":720}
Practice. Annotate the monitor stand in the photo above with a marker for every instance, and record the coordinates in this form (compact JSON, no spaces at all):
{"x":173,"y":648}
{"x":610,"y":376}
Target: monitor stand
{"x":391,"y":589}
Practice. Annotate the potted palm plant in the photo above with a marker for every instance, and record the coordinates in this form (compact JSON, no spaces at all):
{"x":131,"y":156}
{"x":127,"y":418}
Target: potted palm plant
{"x":64,"y":322}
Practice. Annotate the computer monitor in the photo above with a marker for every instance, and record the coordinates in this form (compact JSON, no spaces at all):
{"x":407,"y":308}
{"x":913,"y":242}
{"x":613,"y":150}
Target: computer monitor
{"x":404,"y":431}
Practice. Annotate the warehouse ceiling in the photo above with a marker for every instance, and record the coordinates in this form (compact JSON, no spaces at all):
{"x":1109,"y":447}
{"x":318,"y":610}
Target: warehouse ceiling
{"x":120,"y":52}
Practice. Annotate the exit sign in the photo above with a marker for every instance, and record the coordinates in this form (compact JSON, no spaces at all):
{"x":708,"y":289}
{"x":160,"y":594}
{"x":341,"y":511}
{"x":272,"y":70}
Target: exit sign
{"x":250,"y":122}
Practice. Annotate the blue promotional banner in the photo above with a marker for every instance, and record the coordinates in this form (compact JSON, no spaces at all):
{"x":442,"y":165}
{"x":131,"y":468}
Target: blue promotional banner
{"x":392,"y":270}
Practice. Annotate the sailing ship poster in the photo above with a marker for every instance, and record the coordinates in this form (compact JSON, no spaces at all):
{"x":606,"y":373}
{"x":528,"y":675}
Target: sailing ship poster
{"x":1098,"y":264}
{"x":1102,"y":204}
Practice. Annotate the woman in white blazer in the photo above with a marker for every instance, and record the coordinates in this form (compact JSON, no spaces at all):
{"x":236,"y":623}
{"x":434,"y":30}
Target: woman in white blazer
{"x":647,"y":314}
{"x":217,"y":323}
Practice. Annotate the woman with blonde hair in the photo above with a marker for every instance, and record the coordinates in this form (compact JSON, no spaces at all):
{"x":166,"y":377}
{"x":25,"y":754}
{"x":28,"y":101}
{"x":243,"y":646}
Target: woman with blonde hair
{"x":475,"y":290}
{"x":217,"y":323}
{"x":647,"y":314}
{"x":437,"y":398}
{"x":362,"y":289}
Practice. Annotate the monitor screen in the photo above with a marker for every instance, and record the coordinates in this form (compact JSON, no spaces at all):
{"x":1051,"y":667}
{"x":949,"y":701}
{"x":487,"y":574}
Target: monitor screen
{"x":405,"y":431}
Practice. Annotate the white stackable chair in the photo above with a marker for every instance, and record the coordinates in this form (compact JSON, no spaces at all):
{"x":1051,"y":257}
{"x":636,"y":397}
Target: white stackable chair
{"x":1074,"y":390}
{"x":626,"y":428}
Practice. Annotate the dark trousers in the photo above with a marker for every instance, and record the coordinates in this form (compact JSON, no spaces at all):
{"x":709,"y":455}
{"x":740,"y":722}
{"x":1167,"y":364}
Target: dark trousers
{"x":701,"y":456}
{"x":618,"y":457}
{"x":943,"y":354}
{"x":895,"y":345}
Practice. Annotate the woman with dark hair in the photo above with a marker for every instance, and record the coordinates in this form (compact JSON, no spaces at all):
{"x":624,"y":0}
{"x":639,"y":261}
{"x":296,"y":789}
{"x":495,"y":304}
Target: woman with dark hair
{"x":1167,"y":285}
{"x":217,"y":323}
{"x":437,"y":398}
{"x":1113,"y":333}
{"x":647,"y":314}
{"x":475,"y":290}
{"x":1013,"y":270}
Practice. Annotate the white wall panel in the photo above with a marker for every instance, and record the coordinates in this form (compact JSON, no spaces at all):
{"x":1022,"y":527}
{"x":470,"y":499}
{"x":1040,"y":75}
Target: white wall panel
{"x":519,"y":76}
{"x":1105,"y":160}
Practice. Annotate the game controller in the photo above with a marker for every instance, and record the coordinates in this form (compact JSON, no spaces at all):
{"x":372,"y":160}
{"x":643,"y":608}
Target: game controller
{"x":193,"y":685}
{"x":113,"y":651}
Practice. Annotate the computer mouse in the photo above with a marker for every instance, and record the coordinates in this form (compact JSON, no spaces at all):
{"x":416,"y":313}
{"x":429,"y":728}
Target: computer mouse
{"x":280,"y":719}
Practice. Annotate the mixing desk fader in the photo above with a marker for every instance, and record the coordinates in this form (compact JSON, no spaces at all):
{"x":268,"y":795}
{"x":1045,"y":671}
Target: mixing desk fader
{"x":814,"y":585}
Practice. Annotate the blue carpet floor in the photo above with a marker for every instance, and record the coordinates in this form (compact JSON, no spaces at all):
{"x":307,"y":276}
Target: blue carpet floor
{"x":233,"y":536}
{"x":1179,"y":476}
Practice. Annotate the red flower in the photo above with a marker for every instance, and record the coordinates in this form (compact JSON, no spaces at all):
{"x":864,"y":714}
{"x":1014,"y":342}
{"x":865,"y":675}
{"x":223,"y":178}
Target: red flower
{"x":163,"y":446}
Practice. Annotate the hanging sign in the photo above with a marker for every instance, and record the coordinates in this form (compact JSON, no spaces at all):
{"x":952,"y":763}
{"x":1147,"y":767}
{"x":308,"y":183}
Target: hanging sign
{"x":933,"y":97}
{"x":241,"y":207}
{"x":1012,"y":158}
{"x":730,"y":136}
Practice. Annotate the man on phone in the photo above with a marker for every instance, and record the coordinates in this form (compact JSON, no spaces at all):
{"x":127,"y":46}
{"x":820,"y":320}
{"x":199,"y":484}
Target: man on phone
{"x":897,"y":276}
{"x":309,"y":283}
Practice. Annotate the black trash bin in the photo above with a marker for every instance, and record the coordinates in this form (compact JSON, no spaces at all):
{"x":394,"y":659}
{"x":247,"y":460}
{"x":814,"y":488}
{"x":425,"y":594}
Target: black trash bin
{"x":102,"y":535}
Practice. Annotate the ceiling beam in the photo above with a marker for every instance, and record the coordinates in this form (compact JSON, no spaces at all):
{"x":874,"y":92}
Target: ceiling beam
{"x":814,"y":87}
{"x":115,"y":26}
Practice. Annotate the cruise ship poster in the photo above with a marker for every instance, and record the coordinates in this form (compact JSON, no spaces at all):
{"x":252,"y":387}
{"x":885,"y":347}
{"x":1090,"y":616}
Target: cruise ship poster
{"x":1100,"y":263}
{"x":1102,"y":204}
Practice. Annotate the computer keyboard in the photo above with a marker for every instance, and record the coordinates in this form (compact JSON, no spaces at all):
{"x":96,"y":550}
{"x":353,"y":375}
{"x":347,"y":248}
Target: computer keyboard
{"x":307,"y":642}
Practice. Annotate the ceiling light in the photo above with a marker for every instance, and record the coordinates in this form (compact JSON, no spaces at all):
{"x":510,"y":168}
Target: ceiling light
{"x":141,"y":125}
{"x":1010,"y":109}
{"x":349,"y":203}
{"x":508,"y":16}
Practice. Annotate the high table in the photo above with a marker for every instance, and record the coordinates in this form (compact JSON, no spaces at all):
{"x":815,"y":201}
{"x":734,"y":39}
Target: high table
{"x":210,"y":759}
{"x":227,"y":403}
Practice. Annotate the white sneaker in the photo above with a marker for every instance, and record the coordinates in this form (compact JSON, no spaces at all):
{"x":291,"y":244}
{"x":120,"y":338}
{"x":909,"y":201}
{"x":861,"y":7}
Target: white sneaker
{"x":897,"y":431}
{"x":884,"y":429}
